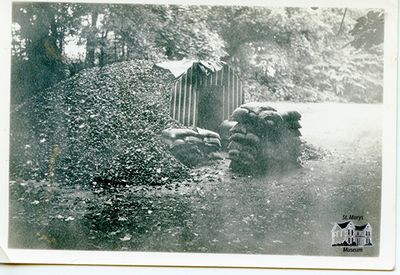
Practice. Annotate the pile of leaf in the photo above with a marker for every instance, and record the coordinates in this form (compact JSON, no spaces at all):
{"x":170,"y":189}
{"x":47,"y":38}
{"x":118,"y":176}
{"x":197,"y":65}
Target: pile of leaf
{"x":309,"y":152}
{"x":102,"y":124}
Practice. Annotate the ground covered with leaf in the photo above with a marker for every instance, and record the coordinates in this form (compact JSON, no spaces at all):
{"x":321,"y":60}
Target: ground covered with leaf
{"x":284,"y":211}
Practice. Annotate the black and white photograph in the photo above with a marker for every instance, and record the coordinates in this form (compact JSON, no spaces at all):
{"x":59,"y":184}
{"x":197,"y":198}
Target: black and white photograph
{"x":201,"y":129}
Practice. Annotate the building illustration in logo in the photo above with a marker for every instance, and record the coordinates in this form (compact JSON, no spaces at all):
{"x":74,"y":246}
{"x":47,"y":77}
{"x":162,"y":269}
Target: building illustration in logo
{"x":348,"y":234}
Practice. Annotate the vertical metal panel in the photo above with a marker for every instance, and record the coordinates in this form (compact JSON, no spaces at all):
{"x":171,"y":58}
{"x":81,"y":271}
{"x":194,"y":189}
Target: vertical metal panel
{"x":184,"y":98}
{"x":228,"y":91}
{"x":225,"y":83}
{"x":196,"y":99}
{"x":171,"y":101}
{"x":174,"y":100}
{"x":222,"y":75}
{"x":183,"y":86}
{"x":195,"y":85}
{"x":223,"y":92}
{"x":189,"y":114}
{"x":186,"y":91}
{"x":243,"y":96}
{"x":179,"y":99}
{"x":237,"y":92}
{"x":241,"y":92}
{"x":231,"y":92}
{"x":234,"y":90}
{"x":223,"y":103}
{"x":226,"y":79}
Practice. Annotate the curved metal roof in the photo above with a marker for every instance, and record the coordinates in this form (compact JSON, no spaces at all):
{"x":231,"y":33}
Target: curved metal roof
{"x":179,"y":67}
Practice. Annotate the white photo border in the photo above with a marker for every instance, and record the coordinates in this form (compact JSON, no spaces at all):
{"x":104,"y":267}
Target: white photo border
{"x":386,"y":258}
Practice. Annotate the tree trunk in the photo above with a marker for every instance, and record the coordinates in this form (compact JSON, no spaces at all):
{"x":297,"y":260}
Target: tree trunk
{"x":115,"y":51}
{"x":102,"y":57}
{"x":91,"y":42}
{"x":61,"y":42}
{"x":52,"y":46}
{"x":341,"y":23}
{"x":127,"y":51}
{"x":123,"y":49}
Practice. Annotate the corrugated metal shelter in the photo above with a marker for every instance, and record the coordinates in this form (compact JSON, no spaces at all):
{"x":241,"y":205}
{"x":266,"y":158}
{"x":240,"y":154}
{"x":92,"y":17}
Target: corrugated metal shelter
{"x":203,"y":94}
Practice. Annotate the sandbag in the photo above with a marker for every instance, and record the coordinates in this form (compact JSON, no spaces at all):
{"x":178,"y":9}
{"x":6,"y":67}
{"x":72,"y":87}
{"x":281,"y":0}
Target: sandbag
{"x":284,"y":116}
{"x":253,"y":117}
{"x":238,"y":128}
{"x":233,"y":154}
{"x":271,"y":115}
{"x":266,"y":137}
{"x":240,"y":115}
{"x":242,"y":147}
{"x":226,"y":125}
{"x":168,"y":141}
{"x":294,"y":115}
{"x":212,"y":141}
{"x":252,"y":139}
{"x":269,"y":124}
{"x":234,"y":145}
{"x":207,"y":133}
{"x":178,"y":133}
{"x":296,"y":132}
{"x":293,"y":124}
{"x":210,"y":148}
{"x":255,"y":128}
{"x":246,"y":156}
{"x":238,"y":137}
{"x":257,"y":107}
{"x":195,"y":140}
{"x":191,"y":147}
{"x":249,"y":139}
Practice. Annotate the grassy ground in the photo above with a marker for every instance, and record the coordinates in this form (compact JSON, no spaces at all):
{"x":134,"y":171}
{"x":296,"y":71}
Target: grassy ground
{"x":282,"y":212}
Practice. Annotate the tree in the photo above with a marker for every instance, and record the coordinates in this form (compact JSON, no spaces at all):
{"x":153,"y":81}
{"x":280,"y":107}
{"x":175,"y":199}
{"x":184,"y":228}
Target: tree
{"x":38,"y":46}
{"x":184,"y":32}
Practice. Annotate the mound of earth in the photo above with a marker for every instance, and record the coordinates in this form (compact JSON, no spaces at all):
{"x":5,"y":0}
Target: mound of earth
{"x":101,"y":124}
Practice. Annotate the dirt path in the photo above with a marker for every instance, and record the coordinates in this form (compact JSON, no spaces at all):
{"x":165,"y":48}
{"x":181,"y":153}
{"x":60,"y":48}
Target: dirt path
{"x":290,"y":212}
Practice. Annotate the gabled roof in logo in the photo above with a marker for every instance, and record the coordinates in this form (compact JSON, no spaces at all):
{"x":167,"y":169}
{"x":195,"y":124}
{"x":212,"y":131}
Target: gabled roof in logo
{"x":344,"y":224}
{"x":361,"y":227}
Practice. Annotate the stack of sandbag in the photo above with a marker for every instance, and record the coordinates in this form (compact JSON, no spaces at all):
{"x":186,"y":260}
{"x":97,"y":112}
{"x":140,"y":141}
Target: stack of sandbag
{"x":263,"y":136}
{"x":292,"y":119}
{"x":211,"y":140}
{"x":191,"y":146}
{"x":290,"y":137}
{"x":224,"y":132}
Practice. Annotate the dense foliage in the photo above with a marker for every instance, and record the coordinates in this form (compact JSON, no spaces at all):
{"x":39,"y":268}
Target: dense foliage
{"x":310,"y":55}
{"x":300,"y":54}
